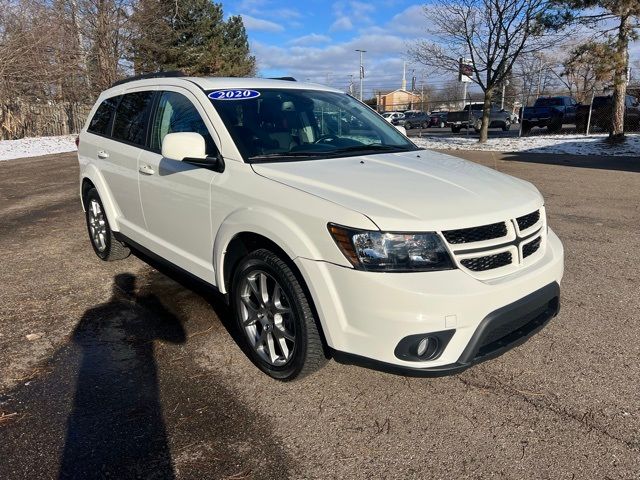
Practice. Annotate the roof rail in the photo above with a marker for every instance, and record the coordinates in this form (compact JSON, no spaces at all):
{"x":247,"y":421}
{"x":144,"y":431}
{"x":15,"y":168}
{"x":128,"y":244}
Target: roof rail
{"x":288,"y":79}
{"x":144,"y":76}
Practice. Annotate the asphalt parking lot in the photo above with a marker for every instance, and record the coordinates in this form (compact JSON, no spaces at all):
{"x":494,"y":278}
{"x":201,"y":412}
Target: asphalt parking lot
{"x":131,"y":373}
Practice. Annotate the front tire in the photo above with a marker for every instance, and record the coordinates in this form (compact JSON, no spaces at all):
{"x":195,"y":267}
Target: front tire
{"x":106,"y":246}
{"x":275,"y":318}
{"x":407,"y":126}
{"x":506,"y":126}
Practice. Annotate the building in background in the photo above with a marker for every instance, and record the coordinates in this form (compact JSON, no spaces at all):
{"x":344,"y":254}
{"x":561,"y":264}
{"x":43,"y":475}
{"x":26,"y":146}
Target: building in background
{"x":398,"y":100}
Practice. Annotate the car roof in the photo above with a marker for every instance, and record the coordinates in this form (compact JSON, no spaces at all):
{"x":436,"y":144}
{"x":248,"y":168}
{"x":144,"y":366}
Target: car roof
{"x":219,"y":83}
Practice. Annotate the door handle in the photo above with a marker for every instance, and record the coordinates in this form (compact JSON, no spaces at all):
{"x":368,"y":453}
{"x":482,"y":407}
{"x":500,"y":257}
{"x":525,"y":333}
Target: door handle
{"x":102,"y":154}
{"x":146,"y":170}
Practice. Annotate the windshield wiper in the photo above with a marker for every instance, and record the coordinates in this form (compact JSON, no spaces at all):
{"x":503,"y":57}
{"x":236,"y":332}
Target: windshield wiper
{"x":283,"y":155}
{"x":372,"y":146}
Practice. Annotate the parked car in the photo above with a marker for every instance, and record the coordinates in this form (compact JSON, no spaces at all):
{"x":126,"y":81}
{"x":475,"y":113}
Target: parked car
{"x":471,"y":117}
{"x":550,"y":112}
{"x":602,"y":111}
{"x":350,"y":243}
{"x":438,"y":119}
{"x":416,"y":120}
{"x":391,"y":116}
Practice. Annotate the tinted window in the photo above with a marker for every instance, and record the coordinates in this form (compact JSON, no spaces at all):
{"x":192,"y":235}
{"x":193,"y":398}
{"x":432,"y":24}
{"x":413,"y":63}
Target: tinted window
{"x":549,"y":102}
{"x":101,"y":121}
{"x":129,"y":124}
{"x":176,"y":113}
{"x":601,"y":101}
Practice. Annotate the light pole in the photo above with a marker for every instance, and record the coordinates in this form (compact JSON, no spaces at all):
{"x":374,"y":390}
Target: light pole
{"x":361,"y":70}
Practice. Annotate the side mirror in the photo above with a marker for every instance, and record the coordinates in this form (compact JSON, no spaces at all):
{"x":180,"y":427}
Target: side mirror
{"x":178,"y":146}
{"x":190,"y":147}
{"x":401,"y":129}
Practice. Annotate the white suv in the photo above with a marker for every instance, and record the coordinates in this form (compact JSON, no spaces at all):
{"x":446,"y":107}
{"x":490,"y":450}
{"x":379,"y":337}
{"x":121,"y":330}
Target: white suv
{"x":329,"y":232}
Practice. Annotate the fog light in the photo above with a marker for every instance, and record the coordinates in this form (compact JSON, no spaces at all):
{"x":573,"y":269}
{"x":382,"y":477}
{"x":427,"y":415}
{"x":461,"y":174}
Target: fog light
{"x":422,"y":346}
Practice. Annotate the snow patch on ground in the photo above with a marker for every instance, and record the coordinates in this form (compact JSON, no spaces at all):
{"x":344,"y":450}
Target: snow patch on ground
{"x":551,"y":144}
{"x":34,"y":147}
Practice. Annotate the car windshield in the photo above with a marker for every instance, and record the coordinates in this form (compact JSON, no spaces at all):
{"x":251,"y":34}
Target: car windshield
{"x":281,"y":125}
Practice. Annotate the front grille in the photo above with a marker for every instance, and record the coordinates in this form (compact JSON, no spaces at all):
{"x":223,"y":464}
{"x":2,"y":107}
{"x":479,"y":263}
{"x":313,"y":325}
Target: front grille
{"x":531,"y":247}
{"x":488,"y":262}
{"x":529,"y":220}
{"x":476,"y":234}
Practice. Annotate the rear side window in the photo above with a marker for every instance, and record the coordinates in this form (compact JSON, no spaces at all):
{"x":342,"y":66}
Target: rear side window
{"x":176,"y":113}
{"x":131,"y":114}
{"x":101,"y":121}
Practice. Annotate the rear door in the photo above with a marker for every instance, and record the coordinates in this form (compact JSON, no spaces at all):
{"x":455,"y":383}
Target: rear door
{"x":176,"y":196}
{"x":118,"y":159}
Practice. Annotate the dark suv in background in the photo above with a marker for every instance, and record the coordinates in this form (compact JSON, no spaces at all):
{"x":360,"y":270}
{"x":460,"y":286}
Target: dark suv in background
{"x":602,"y":113}
{"x":413,"y":120}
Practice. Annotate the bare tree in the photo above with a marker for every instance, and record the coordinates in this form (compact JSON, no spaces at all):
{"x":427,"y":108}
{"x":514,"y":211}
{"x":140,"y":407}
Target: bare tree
{"x":588,"y":67}
{"x":493,"y":34}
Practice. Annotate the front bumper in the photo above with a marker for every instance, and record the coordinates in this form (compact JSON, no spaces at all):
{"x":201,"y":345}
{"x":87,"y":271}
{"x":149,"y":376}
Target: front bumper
{"x":499,"y":332}
{"x":365,"y":315}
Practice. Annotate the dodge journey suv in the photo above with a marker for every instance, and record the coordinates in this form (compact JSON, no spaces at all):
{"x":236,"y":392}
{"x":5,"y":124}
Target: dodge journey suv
{"x":327,"y":230}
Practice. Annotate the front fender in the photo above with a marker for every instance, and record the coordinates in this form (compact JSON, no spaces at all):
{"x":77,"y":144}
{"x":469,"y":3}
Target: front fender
{"x":271,"y":224}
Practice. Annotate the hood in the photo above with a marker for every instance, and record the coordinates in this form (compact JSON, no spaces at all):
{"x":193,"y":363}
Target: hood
{"x":411,"y":191}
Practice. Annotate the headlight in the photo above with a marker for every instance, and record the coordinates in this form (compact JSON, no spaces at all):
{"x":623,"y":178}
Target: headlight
{"x":392,"y":252}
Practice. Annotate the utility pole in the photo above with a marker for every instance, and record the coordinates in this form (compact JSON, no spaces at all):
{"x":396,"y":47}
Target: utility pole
{"x":361,"y":70}
{"x":504,"y":86}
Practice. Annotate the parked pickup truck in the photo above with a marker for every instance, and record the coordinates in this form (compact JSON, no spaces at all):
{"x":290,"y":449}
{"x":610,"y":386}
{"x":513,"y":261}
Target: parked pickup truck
{"x":601,"y":114}
{"x":550,"y":112}
{"x":471,"y":117}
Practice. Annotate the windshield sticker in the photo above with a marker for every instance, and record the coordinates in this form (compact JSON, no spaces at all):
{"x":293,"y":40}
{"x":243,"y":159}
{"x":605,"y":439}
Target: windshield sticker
{"x":233,"y":94}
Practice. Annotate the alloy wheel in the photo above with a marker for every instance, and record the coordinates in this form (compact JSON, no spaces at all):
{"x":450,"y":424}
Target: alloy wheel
{"x":97,"y":225}
{"x":267,"y":317}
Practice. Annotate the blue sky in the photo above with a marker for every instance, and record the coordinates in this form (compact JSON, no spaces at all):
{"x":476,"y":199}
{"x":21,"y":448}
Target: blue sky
{"x":316,"y":39}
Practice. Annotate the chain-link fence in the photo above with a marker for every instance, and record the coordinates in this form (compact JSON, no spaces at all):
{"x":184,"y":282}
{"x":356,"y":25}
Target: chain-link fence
{"x":545,"y":113}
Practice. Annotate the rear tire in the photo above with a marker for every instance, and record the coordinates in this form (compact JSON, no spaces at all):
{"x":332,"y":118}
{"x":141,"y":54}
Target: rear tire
{"x":106,"y":246}
{"x":555,"y":126}
{"x":456,"y":129}
{"x":507,"y":126}
{"x":274,"y":316}
{"x":407,"y":126}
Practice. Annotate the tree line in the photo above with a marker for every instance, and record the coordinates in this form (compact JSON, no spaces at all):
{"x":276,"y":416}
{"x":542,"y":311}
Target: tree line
{"x":71,"y":50}
{"x":502,"y":37}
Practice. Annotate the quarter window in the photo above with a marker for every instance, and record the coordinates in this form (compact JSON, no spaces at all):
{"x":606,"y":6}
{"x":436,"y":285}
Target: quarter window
{"x":101,"y":121}
{"x":176,"y":113}
{"x":131,"y":114}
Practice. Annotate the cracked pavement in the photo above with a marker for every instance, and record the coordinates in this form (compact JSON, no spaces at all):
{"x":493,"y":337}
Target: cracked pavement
{"x":133,"y":373}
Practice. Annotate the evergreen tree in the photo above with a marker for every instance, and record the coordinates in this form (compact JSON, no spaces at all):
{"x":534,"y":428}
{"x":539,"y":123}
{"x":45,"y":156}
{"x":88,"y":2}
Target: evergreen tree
{"x":190,"y":35}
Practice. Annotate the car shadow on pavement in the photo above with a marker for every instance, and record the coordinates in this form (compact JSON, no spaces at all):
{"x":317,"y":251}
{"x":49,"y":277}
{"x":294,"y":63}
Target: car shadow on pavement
{"x":599,"y":162}
{"x":116,"y":427}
